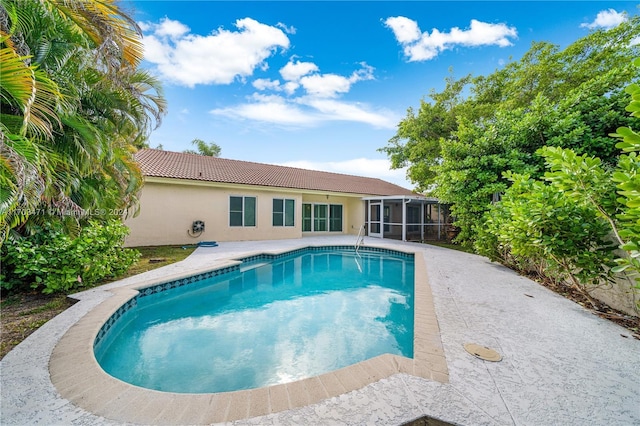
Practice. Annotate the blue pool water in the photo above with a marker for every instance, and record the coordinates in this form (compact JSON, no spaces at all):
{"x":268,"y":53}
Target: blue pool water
{"x":270,"y":322}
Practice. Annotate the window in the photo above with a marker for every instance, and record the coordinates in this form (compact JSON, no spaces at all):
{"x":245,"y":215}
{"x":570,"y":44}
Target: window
{"x":307,"y":219}
{"x":335,"y":218}
{"x":242,"y":211}
{"x":284,"y":211}
{"x":321,"y":217}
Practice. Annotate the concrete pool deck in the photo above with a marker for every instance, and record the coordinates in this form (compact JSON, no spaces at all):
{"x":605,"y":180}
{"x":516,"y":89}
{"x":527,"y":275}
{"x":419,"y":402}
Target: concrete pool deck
{"x":561,"y":364}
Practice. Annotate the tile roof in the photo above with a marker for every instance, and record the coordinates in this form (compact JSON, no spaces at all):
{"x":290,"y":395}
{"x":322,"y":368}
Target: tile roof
{"x":178,"y":165}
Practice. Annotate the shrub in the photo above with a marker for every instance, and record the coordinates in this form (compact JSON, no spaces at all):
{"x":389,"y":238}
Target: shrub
{"x":536,"y":225}
{"x":53,"y":261}
{"x":627,"y":179}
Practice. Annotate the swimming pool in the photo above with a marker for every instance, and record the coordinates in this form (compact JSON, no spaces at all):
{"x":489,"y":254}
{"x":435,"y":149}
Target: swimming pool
{"x":267,"y":320}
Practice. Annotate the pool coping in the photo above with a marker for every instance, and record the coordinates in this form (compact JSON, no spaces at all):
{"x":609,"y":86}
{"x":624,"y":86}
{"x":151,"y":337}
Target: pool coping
{"x":78,"y":377}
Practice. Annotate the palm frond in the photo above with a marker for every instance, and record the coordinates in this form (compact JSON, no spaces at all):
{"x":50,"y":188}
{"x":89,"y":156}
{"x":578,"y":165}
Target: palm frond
{"x":30,"y":90}
{"x":107,"y":27}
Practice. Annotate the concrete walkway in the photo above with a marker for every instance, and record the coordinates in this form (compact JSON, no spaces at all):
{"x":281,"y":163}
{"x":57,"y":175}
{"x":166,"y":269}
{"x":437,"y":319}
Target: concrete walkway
{"x":561,"y":364}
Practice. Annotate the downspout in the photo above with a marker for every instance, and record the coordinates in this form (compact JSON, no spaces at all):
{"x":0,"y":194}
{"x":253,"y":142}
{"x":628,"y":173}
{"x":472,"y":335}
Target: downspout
{"x":439,"y":220}
{"x":381,"y":218}
{"x":404,"y":218}
{"x":422,"y":207}
{"x":367,"y":218}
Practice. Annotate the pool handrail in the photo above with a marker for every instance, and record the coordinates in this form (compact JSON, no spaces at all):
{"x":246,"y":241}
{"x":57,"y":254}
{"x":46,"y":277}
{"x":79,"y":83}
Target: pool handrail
{"x":360,"y":239}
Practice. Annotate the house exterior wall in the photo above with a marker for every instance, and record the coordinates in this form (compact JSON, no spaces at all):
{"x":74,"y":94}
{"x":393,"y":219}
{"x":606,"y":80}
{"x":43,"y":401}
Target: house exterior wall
{"x":168,"y":207}
{"x":353,"y":209}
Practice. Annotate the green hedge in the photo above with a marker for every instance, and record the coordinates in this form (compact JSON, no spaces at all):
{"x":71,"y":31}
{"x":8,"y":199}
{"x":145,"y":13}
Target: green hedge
{"x":53,"y":261}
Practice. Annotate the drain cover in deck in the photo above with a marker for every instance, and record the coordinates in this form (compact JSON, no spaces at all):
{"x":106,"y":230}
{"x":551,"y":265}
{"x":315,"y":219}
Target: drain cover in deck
{"x":482,"y":352}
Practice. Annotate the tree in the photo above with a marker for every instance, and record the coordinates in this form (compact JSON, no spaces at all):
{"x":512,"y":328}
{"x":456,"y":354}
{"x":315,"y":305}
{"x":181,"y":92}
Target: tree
{"x":419,"y":138}
{"x":569,"y":98}
{"x":472,"y":169}
{"x":627,"y":180}
{"x":206,"y":149}
{"x":544,"y":71}
{"x":566,"y":223}
{"x":74,"y":108}
{"x":544,"y":226}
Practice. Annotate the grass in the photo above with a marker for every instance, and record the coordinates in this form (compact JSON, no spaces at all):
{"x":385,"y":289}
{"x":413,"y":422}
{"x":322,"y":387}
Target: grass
{"x":56,"y":304}
{"x":155,"y":257}
{"x":24,"y":313}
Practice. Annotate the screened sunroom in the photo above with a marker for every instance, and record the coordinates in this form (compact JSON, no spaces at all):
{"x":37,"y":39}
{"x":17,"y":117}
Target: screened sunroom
{"x":406,"y":218}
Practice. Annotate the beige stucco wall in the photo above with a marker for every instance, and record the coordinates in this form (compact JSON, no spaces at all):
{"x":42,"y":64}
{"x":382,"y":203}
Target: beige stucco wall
{"x":619,"y":294}
{"x":168,"y":207}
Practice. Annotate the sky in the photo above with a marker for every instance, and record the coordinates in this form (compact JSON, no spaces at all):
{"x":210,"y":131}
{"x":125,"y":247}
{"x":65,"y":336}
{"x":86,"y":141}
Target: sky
{"x":323,"y":84}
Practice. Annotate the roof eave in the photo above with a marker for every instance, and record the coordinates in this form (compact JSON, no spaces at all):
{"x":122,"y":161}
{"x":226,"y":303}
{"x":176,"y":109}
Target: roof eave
{"x":211,"y":183}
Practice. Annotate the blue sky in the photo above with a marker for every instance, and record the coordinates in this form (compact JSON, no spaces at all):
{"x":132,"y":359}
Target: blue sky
{"x":322,"y":85}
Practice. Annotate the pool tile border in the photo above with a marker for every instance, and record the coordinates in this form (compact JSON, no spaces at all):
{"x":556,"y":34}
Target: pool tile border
{"x":79,"y":378}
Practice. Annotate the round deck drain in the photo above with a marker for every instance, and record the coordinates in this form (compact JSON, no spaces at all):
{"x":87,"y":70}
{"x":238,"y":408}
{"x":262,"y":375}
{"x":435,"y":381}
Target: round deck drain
{"x":482,"y":352}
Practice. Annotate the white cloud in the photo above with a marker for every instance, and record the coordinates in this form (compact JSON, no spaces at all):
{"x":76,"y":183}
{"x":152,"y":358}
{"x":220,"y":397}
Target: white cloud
{"x":324,"y":85}
{"x":343,"y":111}
{"x":155,"y":51}
{"x":375,"y":168}
{"x":273,"y":109}
{"x":419,"y":46}
{"x":287,"y":29}
{"x":304,"y":96}
{"x":170,"y":28}
{"x":219,"y":58}
{"x":606,"y":19}
{"x":293,"y":71}
{"x":306,"y":112}
{"x":290,"y":87}
{"x":405,"y":29}
{"x":273,"y":112}
{"x":265,"y":83}
{"x":145,"y":26}
{"x":319,"y":103}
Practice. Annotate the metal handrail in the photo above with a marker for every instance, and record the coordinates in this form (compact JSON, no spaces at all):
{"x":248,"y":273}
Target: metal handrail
{"x":360,"y":239}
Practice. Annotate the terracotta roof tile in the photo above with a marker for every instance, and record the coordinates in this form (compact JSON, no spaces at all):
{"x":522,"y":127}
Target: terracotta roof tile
{"x":177,"y":165}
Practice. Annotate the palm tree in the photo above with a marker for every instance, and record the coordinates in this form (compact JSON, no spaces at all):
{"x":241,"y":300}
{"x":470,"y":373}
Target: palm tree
{"x":74,"y":107}
{"x":207,"y":149}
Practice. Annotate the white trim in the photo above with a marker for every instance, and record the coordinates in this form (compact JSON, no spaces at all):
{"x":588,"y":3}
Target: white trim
{"x":404,"y":200}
